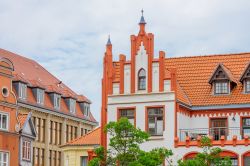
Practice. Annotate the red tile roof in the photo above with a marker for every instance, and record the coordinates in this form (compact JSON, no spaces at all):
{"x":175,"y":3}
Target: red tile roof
{"x":29,"y":71}
{"x":92,"y":138}
{"x":22,"y":119}
{"x":193,"y":74}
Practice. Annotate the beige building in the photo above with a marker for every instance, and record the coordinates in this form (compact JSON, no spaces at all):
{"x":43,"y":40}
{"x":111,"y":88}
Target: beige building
{"x":58,"y":113}
{"x":80,"y":151}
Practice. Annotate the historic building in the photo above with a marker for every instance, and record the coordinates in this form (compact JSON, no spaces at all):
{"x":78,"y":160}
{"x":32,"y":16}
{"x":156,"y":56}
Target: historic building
{"x":27,"y":134}
{"x":179,"y":100}
{"x":81,"y":150}
{"x":58,"y":114}
{"x":9,"y":137}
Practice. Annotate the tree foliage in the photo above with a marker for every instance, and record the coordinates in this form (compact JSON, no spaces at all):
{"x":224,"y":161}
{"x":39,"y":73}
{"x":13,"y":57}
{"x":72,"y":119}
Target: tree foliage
{"x":124,"y":147}
{"x":209,"y":156}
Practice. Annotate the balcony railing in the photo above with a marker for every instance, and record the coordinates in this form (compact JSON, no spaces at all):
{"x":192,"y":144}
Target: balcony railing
{"x":215,"y":133}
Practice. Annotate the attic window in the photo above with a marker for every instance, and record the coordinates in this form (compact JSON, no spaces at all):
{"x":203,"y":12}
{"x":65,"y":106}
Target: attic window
{"x":22,"y":91}
{"x":86,"y":109}
{"x":221,"y":87}
{"x":72,"y":106}
{"x":57,"y":101}
{"x":247,"y":86}
{"x":40,"y":96}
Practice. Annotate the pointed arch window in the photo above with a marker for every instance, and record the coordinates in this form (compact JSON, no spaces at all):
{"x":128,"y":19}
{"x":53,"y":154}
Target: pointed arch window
{"x":142,"y":79}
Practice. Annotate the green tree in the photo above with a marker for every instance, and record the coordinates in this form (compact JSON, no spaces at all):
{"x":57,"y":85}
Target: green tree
{"x":124,"y":147}
{"x":210,"y":156}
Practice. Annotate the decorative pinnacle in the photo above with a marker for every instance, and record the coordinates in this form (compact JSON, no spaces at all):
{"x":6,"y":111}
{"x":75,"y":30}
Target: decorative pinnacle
{"x":109,"y":41}
{"x":142,"y":21}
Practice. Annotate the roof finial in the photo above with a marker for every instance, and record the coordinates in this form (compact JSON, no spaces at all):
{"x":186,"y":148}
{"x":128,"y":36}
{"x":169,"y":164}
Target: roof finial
{"x":109,"y":41}
{"x":142,"y":21}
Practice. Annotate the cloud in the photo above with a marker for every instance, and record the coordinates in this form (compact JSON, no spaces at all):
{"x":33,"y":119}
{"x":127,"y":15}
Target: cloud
{"x":68,"y":37}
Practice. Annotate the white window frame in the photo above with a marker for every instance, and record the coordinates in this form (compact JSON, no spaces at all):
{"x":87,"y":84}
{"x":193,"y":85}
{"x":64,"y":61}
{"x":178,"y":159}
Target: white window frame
{"x":8,"y":158}
{"x":221,"y":92}
{"x":26,"y":154}
{"x":22,"y":91}
{"x":72,"y":106}
{"x":86,"y":109}
{"x":40,"y":96}
{"x":247,"y":86}
{"x":7,"y":123}
{"x":57,"y":101}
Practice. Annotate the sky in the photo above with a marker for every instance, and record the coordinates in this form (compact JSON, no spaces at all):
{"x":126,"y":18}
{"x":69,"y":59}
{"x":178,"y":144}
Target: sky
{"x":68,"y":37}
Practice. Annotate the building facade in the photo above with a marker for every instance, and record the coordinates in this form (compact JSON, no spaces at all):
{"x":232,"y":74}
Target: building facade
{"x":58,"y":113}
{"x":81,"y":150}
{"x":27,"y":134}
{"x":9,"y":137}
{"x":179,"y":100}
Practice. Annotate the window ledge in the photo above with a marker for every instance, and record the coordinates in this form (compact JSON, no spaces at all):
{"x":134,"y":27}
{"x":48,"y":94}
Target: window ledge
{"x":156,"y":138}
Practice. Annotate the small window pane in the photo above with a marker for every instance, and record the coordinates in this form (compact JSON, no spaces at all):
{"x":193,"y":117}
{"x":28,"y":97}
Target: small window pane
{"x":248,"y":86}
{"x":142,"y":79}
{"x":155,"y":121}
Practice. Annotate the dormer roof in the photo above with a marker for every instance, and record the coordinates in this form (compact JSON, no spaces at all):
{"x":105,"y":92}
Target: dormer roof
{"x":222,"y":73}
{"x":246,"y":73}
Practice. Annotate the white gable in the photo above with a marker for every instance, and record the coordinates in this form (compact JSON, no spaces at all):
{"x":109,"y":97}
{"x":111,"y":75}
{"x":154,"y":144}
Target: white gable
{"x":27,"y":129}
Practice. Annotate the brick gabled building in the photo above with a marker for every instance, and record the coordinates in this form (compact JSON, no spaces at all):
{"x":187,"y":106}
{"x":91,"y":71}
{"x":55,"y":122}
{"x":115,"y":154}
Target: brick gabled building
{"x":179,"y":100}
{"x":58,"y":113}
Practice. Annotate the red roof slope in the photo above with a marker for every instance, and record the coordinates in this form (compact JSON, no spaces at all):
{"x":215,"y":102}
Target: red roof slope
{"x":193,"y":74}
{"x":92,"y":138}
{"x":22,"y":119}
{"x":29,"y":71}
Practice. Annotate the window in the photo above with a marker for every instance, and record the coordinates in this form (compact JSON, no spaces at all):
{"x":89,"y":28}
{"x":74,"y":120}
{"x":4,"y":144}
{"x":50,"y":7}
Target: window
{"x":40,"y":96}
{"x":4,"y":121}
{"x":4,"y":158}
{"x":84,"y":160}
{"x":57,"y":100}
{"x":247,"y":160}
{"x":26,"y":150}
{"x":155,"y":121}
{"x":86,"y":109}
{"x":22,"y":91}
{"x":221,"y":87}
{"x":128,"y":113}
{"x":72,"y":106}
{"x":247,"y":86}
{"x":218,"y":128}
{"x":246,"y":126}
{"x":142,"y":79}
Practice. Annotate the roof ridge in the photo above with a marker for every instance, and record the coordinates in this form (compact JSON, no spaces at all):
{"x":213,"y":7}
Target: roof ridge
{"x":209,"y":55}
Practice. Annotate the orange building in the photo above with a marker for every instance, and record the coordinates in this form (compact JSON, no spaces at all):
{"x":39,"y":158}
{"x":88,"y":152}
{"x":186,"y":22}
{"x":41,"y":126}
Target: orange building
{"x":9,"y":137}
{"x":178,"y":100}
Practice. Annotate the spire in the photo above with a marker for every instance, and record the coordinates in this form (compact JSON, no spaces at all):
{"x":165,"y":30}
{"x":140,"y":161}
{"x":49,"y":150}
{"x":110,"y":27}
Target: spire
{"x":142,"y":21}
{"x":109,"y":41}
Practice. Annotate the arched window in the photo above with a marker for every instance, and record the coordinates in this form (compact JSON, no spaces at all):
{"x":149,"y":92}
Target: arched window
{"x":142,"y":79}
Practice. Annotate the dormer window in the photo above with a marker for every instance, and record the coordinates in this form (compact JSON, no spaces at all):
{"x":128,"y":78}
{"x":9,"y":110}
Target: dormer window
{"x":56,"y":100}
{"x":72,"y":106}
{"x":142,"y":79}
{"x":222,"y":80}
{"x":40,"y":96}
{"x":247,"y":86}
{"x":86,"y":109}
{"x":245,"y":79}
{"x":221,"y":87}
{"x":22,"y":91}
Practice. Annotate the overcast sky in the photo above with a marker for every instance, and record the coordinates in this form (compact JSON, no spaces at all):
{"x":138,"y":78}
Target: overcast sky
{"x":68,"y":37}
